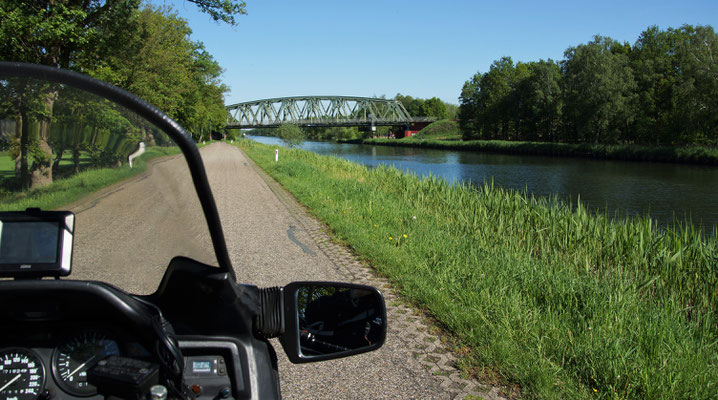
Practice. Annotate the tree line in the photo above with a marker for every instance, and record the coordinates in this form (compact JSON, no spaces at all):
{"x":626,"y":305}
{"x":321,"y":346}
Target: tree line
{"x":433,"y":107}
{"x":663,"y":90}
{"x":142,"y":48}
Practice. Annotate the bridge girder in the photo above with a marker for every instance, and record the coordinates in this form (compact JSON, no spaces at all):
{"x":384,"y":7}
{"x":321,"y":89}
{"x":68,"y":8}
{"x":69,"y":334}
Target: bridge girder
{"x":319,"y":111}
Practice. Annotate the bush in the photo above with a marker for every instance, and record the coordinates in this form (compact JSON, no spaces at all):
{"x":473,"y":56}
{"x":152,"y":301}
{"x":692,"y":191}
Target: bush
{"x":291,"y":134}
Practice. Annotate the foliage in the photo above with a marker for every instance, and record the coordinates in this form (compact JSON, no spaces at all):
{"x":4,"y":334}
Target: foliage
{"x":432,"y":107}
{"x":335,"y":133}
{"x":61,"y":33}
{"x":178,"y":76}
{"x":663,"y":90}
{"x":598,"y":92}
{"x":222,"y":10}
{"x":147,"y":52}
{"x":563,"y":302}
{"x":291,"y":134}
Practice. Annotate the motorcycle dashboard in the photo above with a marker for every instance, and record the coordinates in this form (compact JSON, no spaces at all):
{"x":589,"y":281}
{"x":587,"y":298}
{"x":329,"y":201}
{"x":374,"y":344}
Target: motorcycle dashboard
{"x":55,"y":331}
{"x":56,"y":359}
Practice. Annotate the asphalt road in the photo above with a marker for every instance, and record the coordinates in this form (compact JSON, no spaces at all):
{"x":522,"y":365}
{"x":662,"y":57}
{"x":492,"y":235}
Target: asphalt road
{"x":127,"y":234}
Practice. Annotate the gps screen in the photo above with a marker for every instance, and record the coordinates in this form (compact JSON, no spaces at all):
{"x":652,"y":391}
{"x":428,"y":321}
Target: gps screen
{"x":29,"y":242}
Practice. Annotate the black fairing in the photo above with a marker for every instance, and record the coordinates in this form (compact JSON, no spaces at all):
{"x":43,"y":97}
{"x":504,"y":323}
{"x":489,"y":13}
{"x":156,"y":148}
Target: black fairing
{"x":30,"y":305}
{"x":189,"y":289}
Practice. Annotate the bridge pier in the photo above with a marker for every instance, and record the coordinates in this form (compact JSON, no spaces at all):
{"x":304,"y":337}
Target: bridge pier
{"x":414,"y":128}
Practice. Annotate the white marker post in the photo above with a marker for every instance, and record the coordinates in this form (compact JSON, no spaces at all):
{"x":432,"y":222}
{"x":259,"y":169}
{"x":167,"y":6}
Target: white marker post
{"x":276,"y":155}
{"x":137,"y":153}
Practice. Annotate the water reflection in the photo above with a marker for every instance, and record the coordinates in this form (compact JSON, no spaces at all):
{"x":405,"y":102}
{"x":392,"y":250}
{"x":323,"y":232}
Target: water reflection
{"x":621,"y":188}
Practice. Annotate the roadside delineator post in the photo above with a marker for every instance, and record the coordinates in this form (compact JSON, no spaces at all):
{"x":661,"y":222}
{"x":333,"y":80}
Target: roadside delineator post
{"x":276,"y":155}
{"x":136,"y":154}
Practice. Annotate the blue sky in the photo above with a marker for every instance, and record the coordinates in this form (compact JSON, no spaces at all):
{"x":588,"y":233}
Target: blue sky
{"x":418,"y":48}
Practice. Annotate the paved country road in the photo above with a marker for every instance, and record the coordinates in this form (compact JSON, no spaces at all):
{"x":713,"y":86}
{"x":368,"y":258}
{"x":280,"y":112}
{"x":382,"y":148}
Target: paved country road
{"x":135,"y":228}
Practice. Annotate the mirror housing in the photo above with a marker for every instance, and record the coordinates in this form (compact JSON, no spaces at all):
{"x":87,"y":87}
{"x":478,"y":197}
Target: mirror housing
{"x":328,"y":320}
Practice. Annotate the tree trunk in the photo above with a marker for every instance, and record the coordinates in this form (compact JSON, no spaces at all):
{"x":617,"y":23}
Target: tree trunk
{"x":56,"y":164}
{"x":24,"y":142}
{"x":148,"y":138}
{"x":42,"y":166}
{"x":76,"y":159}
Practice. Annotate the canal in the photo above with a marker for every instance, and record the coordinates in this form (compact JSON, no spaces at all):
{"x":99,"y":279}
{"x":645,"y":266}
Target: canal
{"x":663,"y":191}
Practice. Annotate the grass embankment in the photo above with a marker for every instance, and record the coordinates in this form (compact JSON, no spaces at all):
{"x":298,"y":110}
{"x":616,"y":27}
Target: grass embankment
{"x":566,"y":304}
{"x":439,"y":130}
{"x":66,"y":191}
{"x":687,"y":155}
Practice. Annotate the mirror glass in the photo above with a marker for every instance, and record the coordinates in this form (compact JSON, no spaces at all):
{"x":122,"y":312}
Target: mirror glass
{"x":334,"y":319}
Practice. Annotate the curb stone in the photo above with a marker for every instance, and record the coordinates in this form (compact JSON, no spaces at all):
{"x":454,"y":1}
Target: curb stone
{"x":428,"y":350}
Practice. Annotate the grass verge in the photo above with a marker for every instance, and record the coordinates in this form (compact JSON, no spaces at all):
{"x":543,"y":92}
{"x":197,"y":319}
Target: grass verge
{"x":68,"y":190}
{"x":687,"y":155}
{"x":565,"y":303}
{"x":440,"y":130}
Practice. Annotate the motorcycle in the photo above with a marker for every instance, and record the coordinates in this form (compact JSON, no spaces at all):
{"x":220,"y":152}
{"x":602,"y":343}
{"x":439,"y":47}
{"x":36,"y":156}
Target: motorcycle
{"x":130,"y":327}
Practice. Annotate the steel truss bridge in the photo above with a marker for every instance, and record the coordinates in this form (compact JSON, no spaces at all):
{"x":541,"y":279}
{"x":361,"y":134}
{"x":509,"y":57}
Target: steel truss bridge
{"x":320,"y":111}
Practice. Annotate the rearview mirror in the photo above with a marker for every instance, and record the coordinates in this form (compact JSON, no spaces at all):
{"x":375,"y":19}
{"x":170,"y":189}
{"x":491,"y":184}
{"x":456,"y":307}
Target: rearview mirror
{"x":326,"y":320}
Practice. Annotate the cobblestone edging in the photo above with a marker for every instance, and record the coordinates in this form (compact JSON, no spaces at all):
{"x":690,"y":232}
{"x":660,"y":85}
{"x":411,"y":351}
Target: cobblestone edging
{"x":427,"y":349}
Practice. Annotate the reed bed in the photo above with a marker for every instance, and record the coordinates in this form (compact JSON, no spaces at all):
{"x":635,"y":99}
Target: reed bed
{"x":562,"y":302}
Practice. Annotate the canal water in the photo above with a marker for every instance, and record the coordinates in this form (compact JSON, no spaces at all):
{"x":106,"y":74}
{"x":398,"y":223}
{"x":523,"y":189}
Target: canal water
{"x":663,"y":191}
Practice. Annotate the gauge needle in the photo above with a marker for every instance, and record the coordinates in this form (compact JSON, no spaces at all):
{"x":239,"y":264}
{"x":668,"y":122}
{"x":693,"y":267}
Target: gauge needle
{"x":80,"y":367}
{"x":11,"y":382}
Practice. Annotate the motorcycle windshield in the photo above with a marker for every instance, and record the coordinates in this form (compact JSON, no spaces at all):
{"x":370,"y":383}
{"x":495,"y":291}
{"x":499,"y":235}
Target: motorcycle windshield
{"x":135,"y":206}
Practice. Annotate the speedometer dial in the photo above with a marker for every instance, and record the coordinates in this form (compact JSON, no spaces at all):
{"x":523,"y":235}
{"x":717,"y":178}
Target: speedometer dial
{"x":72,"y":360}
{"x":22,"y":375}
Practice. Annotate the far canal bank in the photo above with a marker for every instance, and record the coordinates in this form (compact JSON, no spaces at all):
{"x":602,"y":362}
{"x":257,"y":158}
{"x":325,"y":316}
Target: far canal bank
{"x":671,"y":154}
{"x":620,"y":188}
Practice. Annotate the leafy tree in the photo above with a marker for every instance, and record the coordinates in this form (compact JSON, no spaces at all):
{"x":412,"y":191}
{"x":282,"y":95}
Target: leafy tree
{"x":652,"y":62}
{"x":598,"y":90}
{"x":496,"y":91}
{"x":164,"y":67}
{"x":696,"y":87}
{"x":663,"y":90}
{"x":470,"y":108}
{"x":432,"y":107}
{"x":541,"y":100}
{"x":80,"y":35}
{"x":64,"y":34}
{"x":436,"y":108}
{"x":452,"y":111}
{"x":291,"y":134}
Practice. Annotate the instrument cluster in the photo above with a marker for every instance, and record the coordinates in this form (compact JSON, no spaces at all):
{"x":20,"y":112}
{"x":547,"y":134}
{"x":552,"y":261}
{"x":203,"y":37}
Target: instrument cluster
{"x":56,"y":364}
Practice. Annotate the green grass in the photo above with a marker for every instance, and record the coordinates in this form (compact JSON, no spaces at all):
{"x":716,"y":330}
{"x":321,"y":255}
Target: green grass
{"x":567,"y":304}
{"x":7,"y":165}
{"x":65,"y":191}
{"x":439,"y":130}
{"x":687,"y":154}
